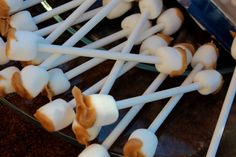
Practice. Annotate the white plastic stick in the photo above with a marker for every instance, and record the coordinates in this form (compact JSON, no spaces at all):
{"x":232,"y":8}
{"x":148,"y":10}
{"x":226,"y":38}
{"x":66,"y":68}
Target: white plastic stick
{"x":126,"y":103}
{"x":56,"y":11}
{"x":83,"y":30}
{"x":224,"y":114}
{"x":173,"y":101}
{"x":66,"y":58}
{"x":120,"y":127}
{"x":84,"y":17}
{"x":65,"y":24}
{"x":128,"y":47}
{"x":96,"y":87}
{"x":98,"y":53}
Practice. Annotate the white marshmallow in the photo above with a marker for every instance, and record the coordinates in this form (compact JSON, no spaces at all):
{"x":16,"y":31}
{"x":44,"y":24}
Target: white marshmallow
{"x":105,"y":107}
{"x":151,"y":44}
{"x":55,"y":115}
{"x":206,"y":55}
{"x":154,"y":7}
{"x":14,"y":5}
{"x":210,"y":80}
{"x":94,"y":150}
{"x":188,"y":51}
{"x":92,"y":132}
{"x":58,"y":82}
{"x":23,"y":47}
{"x":233,"y":48}
{"x":172,"y":20}
{"x":34,"y":79}
{"x":130,"y":22}
{"x":148,"y":139}
{"x":3,"y":57}
{"x":6,"y":80}
{"x":23,"y":21}
{"x":119,"y":10}
{"x":170,"y":61}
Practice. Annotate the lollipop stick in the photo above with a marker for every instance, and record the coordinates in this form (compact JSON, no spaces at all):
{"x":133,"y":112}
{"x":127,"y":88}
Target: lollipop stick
{"x":215,"y":141}
{"x":56,"y":11}
{"x":126,"y":103}
{"x":118,"y":65}
{"x":59,"y":30}
{"x":98,"y":53}
{"x":83,"y":30}
{"x":173,"y":101}
{"x":84,"y":17}
{"x":120,"y":127}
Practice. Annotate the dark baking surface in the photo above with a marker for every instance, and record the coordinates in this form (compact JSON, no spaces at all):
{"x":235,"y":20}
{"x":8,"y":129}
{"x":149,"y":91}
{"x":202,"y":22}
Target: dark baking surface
{"x":186,"y":132}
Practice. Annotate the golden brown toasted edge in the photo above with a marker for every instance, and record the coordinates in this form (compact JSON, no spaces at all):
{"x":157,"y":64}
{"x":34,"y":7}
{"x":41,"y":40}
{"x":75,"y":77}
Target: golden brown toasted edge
{"x":17,"y":85}
{"x":85,"y":112}
{"x":180,"y":14}
{"x":189,"y":46}
{"x":184,"y":63}
{"x":4,"y":18}
{"x":44,"y":121}
{"x":11,"y":36}
{"x":81,"y":134}
{"x":167,"y":38}
{"x":132,"y":148}
{"x":48,"y":92}
{"x":2,"y":90}
{"x":233,"y":34}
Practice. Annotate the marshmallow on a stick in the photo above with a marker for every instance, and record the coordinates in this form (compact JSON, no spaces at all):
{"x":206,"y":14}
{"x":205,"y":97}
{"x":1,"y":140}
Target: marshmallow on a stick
{"x":94,"y":150}
{"x":24,"y":21}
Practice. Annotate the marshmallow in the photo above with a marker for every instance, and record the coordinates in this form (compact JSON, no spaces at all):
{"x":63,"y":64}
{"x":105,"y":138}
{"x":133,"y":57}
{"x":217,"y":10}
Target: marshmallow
{"x":233,"y":48}
{"x":142,"y":142}
{"x":30,"y":81}
{"x":84,"y":135}
{"x":119,"y":10}
{"x":22,"y":45}
{"x":207,"y":55}
{"x":58,"y":82}
{"x":3,"y":57}
{"x":154,"y":7}
{"x":189,"y":50}
{"x":151,"y":44}
{"x":172,"y":20}
{"x":130,"y":22}
{"x":13,"y":5}
{"x":23,"y":21}
{"x":172,"y":61}
{"x":210,"y":80}
{"x":55,"y":115}
{"x":95,"y":150}
{"x":5,"y":80}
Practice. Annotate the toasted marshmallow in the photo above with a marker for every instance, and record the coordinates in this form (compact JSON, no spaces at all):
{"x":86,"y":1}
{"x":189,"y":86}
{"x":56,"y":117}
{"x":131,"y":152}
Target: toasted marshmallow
{"x":119,"y":10}
{"x":151,"y":44}
{"x":84,"y":135}
{"x":172,"y":61}
{"x":189,"y":50}
{"x":55,"y":115}
{"x":130,"y":22}
{"x":207,"y":55}
{"x":13,"y":5}
{"x":233,"y":48}
{"x":58,"y":82}
{"x":5,"y":80}
{"x":210,"y":80}
{"x":154,"y":7}
{"x":172,"y":19}
{"x":3,"y":57}
{"x":101,"y":102}
{"x":142,"y":142}
{"x":30,"y":81}
{"x":94,"y":150}
{"x":21,"y":45}
{"x":23,"y":21}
